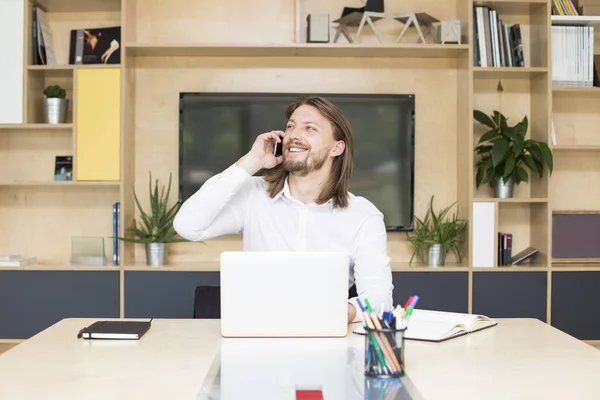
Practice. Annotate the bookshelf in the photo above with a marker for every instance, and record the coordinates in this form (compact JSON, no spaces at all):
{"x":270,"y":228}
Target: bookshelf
{"x":199,"y":46}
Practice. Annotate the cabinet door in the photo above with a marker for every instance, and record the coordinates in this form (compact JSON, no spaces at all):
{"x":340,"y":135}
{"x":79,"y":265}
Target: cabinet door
{"x":575,"y":303}
{"x":157,"y":294}
{"x":442,"y":291}
{"x":502,"y":294}
{"x":31,"y":301}
{"x":98,"y":124}
{"x":11,"y":67}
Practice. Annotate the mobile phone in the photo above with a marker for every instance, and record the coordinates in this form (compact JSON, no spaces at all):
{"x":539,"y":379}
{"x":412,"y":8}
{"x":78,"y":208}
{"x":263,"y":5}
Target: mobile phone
{"x":278,"y":149}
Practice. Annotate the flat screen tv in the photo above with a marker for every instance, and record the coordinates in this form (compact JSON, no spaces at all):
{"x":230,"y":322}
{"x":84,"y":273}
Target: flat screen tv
{"x":216,"y":129}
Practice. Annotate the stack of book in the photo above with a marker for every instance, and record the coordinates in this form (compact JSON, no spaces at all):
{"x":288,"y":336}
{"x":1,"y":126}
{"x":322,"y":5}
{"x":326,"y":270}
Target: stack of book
{"x":495,"y":44}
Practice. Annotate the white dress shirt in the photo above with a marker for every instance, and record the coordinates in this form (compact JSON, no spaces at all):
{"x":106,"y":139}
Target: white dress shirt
{"x":235,"y":202}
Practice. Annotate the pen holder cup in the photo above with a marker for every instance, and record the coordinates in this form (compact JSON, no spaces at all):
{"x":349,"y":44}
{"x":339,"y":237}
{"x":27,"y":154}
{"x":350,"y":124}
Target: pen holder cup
{"x":384,"y":352}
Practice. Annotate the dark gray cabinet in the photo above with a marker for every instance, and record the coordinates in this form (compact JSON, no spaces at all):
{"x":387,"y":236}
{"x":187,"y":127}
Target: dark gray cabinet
{"x":510,"y":294}
{"x":443,"y":291}
{"x":162,"y":294}
{"x":31,"y":301}
{"x":575,"y":303}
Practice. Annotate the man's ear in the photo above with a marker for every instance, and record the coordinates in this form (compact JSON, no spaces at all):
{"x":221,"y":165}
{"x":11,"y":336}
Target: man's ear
{"x":338,"y":148}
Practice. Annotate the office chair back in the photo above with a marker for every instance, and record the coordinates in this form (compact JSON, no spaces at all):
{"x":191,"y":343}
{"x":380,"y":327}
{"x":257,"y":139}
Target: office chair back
{"x":374,"y":6}
{"x":207,"y":301}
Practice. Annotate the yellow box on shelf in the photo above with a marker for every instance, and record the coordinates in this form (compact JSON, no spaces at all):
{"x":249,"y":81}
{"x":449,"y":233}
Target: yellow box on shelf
{"x":98,"y":124}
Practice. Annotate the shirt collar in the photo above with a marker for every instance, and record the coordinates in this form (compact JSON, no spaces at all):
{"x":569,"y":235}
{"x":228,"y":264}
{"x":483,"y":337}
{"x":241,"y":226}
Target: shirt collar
{"x":285,"y":191}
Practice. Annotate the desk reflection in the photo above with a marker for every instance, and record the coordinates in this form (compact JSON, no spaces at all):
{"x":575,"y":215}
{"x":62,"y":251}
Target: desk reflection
{"x":259,"y":368}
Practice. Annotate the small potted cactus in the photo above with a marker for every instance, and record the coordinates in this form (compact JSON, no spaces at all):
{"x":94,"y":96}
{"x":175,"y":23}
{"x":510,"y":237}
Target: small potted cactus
{"x":55,"y":105}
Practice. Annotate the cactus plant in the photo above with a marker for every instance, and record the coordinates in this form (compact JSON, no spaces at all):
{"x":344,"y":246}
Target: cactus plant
{"x":55,"y":91}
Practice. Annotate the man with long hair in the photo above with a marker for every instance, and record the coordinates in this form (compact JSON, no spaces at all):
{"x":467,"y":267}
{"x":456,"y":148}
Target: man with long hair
{"x":301,"y":203}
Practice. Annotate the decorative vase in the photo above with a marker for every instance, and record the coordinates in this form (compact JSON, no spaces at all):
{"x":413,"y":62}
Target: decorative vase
{"x":55,"y":110}
{"x":504,"y":190}
{"x":436,"y":256}
{"x":156,"y":254}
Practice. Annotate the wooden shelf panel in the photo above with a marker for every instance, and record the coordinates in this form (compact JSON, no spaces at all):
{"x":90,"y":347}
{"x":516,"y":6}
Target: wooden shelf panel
{"x":78,"y":6}
{"x":63,"y":183}
{"x":516,"y":268}
{"x":513,"y":200}
{"x":575,"y":20}
{"x":47,"y":267}
{"x":214,"y":266}
{"x":576,"y":89}
{"x":508,"y":72}
{"x":576,"y":147}
{"x":301,"y":49}
{"x":575,"y":261}
{"x":518,"y":7}
{"x":36,"y":127}
{"x":70,"y":67}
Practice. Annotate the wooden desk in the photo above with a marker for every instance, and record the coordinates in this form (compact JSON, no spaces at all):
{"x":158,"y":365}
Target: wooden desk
{"x":518,"y":359}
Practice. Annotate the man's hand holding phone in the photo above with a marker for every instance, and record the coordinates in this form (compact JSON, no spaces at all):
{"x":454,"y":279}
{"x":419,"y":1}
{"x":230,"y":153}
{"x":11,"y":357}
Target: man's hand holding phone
{"x":262,"y":153}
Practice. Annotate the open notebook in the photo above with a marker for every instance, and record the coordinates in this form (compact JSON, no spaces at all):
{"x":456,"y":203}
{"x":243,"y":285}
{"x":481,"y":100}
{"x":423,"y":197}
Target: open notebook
{"x":437,"y":326}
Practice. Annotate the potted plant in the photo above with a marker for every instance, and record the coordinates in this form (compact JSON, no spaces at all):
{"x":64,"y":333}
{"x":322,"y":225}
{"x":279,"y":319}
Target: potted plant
{"x":503,"y":152}
{"x":436,"y":235}
{"x":156,"y":228}
{"x":55,"y":105}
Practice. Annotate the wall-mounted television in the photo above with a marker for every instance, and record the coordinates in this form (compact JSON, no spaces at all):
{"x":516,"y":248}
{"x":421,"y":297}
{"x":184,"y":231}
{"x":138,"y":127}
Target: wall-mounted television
{"x":216,"y":129}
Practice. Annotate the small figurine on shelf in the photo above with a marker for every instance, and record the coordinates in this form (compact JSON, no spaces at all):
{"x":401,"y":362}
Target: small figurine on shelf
{"x":55,"y":105}
{"x":422,"y":22}
{"x":449,"y":32}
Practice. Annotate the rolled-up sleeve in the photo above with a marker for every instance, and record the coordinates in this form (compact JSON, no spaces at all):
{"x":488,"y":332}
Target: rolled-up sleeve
{"x":372,"y":268}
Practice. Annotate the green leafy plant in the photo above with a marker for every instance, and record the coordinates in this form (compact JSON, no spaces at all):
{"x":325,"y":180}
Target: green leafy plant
{"x":503,"y":151}
{"x":55,"y":91}
{"x":437,"y":228}
{"x":157,"y":224}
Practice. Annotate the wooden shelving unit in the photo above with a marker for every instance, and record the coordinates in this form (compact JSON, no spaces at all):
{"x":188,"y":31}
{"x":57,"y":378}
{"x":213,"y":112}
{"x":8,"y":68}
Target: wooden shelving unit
{"x":168,"y":48}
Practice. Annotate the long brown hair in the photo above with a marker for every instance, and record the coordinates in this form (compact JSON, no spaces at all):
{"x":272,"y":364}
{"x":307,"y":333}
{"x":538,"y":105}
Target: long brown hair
{"x":336,"y":186}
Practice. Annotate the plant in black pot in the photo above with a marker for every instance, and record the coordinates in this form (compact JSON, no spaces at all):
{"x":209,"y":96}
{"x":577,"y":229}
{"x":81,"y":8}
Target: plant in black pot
{"x":55,"y":104}
{"x":503,"y":153}
{"x":156,"y":228}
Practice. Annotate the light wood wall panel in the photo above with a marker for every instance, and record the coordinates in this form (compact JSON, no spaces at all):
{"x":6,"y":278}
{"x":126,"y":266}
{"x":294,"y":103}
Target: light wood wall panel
{"x":158,"y":82}
{"x":227,"y":21}
{"x":576,"y":118}
{"x":574,"y":181}
{"x":11,"y":65}
{"x":40,"y":221}
{"x":98,"y":125}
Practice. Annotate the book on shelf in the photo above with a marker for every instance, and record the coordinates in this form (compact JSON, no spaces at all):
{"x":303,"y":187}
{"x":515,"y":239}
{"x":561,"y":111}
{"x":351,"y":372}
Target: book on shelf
{"x":42,"y":40}
{"x":116,"y":229}
{"x":63,"y":168}
{"x":95,"y":45}
{"x":573,"y":56}
{"x":504,"y":248}
{"x":15,"y":260}
{"x":564,"y":7}
{"x":438,"y":326}
{"x":495,"y":44}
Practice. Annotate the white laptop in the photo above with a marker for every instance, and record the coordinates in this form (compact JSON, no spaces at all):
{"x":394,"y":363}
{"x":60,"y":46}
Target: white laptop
{"x":284,"y":294}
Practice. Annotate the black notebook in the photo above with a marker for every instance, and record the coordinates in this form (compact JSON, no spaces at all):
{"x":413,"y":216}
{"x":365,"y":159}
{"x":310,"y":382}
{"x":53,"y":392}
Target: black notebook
{"x":127,"y":330}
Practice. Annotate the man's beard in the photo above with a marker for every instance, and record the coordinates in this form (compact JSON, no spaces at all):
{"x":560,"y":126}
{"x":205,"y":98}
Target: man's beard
{"x":303,"y":167}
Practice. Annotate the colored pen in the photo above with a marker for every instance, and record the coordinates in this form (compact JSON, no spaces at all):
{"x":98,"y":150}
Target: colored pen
{"x":369,"y":324}
{"x":387,"y":349}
